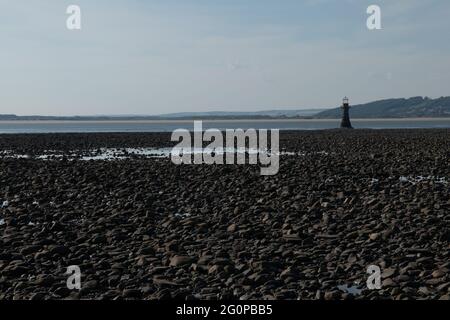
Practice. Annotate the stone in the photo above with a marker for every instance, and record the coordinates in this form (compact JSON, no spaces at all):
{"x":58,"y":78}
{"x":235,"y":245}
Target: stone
{"x":374,"y":236}
{"x":131,"y":293}
{"x":387,"y":273}
{"x":388,"y":283}
{"x":178,"y":261}
{"x":44,"y":280}
{"x":438,"y":274}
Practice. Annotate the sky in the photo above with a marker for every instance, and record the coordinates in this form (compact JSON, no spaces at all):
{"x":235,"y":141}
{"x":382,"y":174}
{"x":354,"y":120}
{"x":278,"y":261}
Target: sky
{"x":163,"y":56}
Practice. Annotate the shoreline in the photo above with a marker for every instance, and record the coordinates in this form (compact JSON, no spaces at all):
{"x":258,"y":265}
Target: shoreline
{"x":132,"y":126}
{"x":215,"y":120}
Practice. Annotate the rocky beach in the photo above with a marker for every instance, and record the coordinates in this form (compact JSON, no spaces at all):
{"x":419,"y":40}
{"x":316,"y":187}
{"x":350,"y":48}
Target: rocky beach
{"x":141,"y":227}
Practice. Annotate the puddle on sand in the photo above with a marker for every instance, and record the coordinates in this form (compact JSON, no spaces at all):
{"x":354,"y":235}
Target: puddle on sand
{"x":124,"y":153}
{"x":3,"y":222}
{"x":354,"y":290}
{"x":108,"y":154}
{"x":415,"y":179}
{"x":418,"y":179}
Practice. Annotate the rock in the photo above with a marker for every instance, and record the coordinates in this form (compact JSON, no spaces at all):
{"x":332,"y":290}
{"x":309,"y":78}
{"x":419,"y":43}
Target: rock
{"x":331,"y":295}
{"x":288,"y":273}
{"x":56,"y":249}
{"x":293,"y":238}
{"x":131,"y":293}
{"x":163,"y":282}
{"x":438,"y":274}
{"x":424,"y":290}
{"x":29,"y":249}
{"x":374,"y":236}
{"x":403,"y":278}
{"x":62,"y":291}
{"x":434,"y":281}
{"x":204,"y":260}
{"x":92,"y":284}
{"x":178,"y":261}
{"x":388,"y":283}
{"x":42,"y":255}
{"x":387,"y":273}
{"x":172,"y":246}
{"x":232,"y":228}
{"x":386,"y":234}
{"x":214,"y":269}
{"x":113,"y":280}
{"x":142,"y":261}
{"x":286,"y":294}
{"x":443,"y":286}
{"x":15,"y":271}
{"x":163,"y":294}
{"x":44,"y":280}
{"x":37,"y":296}
{"x":146,"y":251}
{"x":118,"y":266}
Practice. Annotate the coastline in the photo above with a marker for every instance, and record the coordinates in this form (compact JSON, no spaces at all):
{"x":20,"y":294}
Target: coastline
{"x":215,"y":120}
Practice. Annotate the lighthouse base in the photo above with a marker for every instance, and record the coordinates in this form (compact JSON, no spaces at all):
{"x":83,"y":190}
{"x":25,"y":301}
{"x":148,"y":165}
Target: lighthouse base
{"x":346,"y":125}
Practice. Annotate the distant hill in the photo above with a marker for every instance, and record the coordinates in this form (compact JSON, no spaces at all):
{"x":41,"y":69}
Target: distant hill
{"x":415,"y":107}
{"x":238,"y":114}
{"x":270,"y":114}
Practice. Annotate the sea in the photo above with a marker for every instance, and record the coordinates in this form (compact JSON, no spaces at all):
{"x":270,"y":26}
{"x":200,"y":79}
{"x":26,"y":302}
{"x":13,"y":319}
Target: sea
{"x":37,"y":126}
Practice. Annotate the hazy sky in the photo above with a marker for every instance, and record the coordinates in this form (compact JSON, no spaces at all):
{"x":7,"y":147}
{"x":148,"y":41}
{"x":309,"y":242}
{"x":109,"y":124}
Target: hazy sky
{"x":161,"y":56}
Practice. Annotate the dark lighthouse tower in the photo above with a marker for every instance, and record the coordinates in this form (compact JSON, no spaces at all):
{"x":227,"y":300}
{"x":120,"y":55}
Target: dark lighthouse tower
{"x":345,"y":123}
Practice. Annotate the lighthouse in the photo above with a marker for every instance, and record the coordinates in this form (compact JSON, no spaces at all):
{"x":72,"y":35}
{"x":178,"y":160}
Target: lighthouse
{"x":345,"y":123}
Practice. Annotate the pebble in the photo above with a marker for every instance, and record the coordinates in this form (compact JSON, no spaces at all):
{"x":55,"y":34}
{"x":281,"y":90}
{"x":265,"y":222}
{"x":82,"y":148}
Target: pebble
{"x":438,"y":274}
{"x":177,"y":261}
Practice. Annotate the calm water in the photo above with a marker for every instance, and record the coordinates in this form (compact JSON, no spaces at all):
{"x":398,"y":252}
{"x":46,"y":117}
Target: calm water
{"x":169,"y":126}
